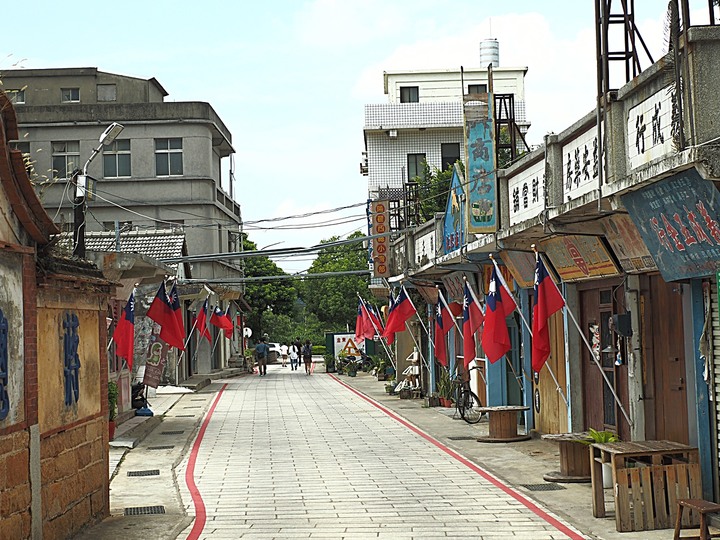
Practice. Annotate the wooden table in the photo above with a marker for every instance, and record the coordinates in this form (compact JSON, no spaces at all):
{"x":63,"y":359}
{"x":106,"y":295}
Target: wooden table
{"x":503,"y":423}
{"x":648,"y":479}
{"x":574,"y":459}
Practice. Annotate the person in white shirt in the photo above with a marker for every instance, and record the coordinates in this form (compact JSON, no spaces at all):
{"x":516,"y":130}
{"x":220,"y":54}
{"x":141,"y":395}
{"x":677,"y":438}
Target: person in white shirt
{"x":294,"y":356}
{"x":284,"y":354}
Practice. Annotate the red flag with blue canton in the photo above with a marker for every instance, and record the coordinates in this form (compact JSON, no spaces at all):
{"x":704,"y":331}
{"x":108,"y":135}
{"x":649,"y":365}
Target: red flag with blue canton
{"x":202,"y":322}
{"x":359,"y":323}
{"x":124,"y":336}
{"x":547,"y":300}
{"x":231,"y":325}
{"x":495,"y":338}
{"x":218,"y":319}
{"x":401,"y":310}
{"x":162,"y":312}
{"x":472,"y":320}
{"x":375,"y":318}
{"x":443,"y":323}
{"x":175,"y":305}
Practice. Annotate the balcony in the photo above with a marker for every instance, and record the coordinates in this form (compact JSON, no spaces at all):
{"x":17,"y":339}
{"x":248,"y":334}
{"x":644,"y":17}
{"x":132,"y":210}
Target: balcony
{"x":384,"y":116}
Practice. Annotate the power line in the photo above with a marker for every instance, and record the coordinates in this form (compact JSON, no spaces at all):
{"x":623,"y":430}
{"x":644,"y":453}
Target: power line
{"x":230,"y":281}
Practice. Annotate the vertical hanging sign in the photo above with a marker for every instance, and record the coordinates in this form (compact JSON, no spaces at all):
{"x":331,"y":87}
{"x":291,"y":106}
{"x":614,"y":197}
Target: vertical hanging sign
{"x":480,"y":159}
{"x":380,"y":225}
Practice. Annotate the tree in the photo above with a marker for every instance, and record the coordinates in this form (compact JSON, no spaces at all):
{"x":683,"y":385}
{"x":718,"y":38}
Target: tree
{"x":334,"y":299}
{"x":277,"y":296}
{"x":433,"y":190}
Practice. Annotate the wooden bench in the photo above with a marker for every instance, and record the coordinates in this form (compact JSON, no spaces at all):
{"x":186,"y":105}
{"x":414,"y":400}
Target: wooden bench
{"x":701,"y":508}
{"x":502,"y":423}
{"x":574,"y":459}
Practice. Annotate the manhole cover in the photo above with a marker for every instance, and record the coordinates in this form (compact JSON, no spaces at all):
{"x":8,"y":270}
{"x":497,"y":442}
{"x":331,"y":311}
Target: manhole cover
{"x":543,"y":487}
{"x":160,"y":447}
{"x":151,"y":472}
{"x":172,"y":432}
{"x":144,"y":510}
{"x":463,"y":438}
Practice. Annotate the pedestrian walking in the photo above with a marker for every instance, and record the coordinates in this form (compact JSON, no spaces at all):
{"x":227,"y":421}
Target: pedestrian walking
{"x":294,"y":352}
{"x":284,"y":354}
{"x":261,"y":354}
{"x":307,"y":356}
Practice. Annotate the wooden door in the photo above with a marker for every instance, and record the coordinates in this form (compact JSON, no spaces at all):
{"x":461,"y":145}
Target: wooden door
{"x":664,"y":356}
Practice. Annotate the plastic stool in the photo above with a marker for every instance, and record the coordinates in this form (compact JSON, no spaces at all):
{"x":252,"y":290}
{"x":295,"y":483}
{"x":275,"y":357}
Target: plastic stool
{"x":701,"y":507}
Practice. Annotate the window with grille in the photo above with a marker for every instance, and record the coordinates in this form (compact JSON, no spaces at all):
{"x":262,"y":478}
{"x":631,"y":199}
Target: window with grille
{"x":168,"y":157}
{"x":409,"y":94}
{"x":415,"y":166}
{"x":116,"y":159}
{"x":65,"y":158}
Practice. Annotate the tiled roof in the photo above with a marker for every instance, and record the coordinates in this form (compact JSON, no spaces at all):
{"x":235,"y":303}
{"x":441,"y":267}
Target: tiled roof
{"x":158,"y":244}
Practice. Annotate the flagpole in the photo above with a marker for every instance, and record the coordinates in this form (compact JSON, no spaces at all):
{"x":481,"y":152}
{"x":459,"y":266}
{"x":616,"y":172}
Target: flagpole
{"x":417,"y":345}
{"x":442,"y":299}
{"x":416,"y":311}
{"x":390,"y":356}
{"x":558,"y":389}
{"x":589,"y":347}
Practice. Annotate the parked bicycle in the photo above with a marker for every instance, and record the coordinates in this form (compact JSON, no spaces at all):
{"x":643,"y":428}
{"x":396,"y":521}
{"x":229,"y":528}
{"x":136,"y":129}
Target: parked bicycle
{"x":467,"y":402}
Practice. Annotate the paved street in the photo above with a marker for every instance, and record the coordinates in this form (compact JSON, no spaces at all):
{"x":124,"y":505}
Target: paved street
{"x":296,"y":456}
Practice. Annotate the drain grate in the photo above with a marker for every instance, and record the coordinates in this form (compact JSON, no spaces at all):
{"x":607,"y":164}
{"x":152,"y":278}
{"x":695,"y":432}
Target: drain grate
{"x":198,"y":399}
{"x":160,"y":447}
{"x":150,"y":472}
{"x":172,"y":432}
{"x":543,"y":487}
{"x":184,"y":416}
{"x":463,"y":438}
{"x":144,"y":510}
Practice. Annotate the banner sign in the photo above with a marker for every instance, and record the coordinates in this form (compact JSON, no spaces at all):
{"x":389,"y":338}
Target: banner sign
{"x":521,"y":265}
{"x":678,"y":219}
{"x":581,"y":165}
{"x":627,"y":244}
{"x":453,"y":235}
{"x":650,"y":126}
{"x":527,"y":193}
{"x":155,"y":359}
{"x":579,"y":257}
{"x":380,"y":214}
{"x":480,"y":159}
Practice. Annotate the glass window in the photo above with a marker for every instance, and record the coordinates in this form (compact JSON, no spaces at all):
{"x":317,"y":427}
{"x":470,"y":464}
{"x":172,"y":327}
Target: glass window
{"x":106,"y":92}
{"x":477,"y":88}
{"x":16,"y":96}
{"x":409,"y":94}
{"x":168,"y":157}
{"x":65,"y":158}
{"x":450,"y":154}
{"x":70,"y":95}
{"x":116,"y":159}
{"x":415,"y":166}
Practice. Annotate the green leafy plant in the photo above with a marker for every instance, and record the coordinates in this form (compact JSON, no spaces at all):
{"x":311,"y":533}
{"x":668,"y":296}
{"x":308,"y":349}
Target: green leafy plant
{"x":444,"y":384}
{"x":112,"y":399}
{"x":600,"y":437}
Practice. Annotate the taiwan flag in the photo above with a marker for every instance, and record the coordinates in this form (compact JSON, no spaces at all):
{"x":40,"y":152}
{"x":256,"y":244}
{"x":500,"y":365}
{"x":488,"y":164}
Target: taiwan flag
{"x":177,"y":310}
{"x":547,"y":300}
{"x":498,"y":305}
{"x":359,"y":323}
{"x":201,"y":322}
{"x":231,"y":325}
{"x":472,"y":320}
{"x":374,"y":321}
{"x":443,"y":323}
{"x":162,"y":312}
{"x":401,"y":310}
{"x":219,"y":319}
{"x":124,"y":336}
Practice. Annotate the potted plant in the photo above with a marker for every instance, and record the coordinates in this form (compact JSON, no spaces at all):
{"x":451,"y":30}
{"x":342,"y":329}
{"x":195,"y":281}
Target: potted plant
{"x":603,"y":437}
{"x":444,"y":388}
{"x":112,"y":406}
{"x":329,"y":363}
{"x":351,"y":369}
{"x":390,"y":385}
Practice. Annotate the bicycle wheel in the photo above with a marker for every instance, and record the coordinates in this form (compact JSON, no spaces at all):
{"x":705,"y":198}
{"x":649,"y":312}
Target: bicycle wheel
{"x":469,"y":406}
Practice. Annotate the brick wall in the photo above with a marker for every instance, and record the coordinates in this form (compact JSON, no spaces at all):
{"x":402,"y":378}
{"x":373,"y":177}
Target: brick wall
{"x":15,"y":485}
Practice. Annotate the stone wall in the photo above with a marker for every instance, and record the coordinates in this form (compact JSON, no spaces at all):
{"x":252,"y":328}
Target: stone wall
{"x":15,"y":491}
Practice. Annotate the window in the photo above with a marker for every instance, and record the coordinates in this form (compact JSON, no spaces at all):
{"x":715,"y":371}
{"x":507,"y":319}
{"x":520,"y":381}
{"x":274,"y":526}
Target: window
{"x":450,"y":154}
{"x":106,"y":92}
{"x":65,"y":158}
{"x":409,"y":94}
{"x":16,"y":97}
{"x":70,"y":95}
{"x":168,"y":157}
{"x":415,"y":166}
{"x":116,"y":159}
{"x":121,"y":225}
{"x":477,"y":88}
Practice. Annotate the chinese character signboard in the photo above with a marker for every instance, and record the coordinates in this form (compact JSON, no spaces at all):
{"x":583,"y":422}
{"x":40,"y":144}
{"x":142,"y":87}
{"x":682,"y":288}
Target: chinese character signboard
{"x":579,"y":257}
{"x":480,"y":159}
{"x":678,"y":221}
{"x":581,"y":165}
{"x":650,"y":128}
{"x":425,"y":248}
{"x":527,"y":193}
{"x":521,"y":265}
{"x":453,"y":235}
{"x":627,"y":244}
{"x":380,"y":245}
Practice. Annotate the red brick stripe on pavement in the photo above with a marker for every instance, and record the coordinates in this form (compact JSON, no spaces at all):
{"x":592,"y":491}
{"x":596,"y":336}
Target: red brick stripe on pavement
{"x":482,"y":472}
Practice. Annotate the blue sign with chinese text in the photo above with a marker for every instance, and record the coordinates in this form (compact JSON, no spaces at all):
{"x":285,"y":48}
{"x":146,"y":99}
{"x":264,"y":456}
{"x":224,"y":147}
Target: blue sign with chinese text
{"x":453,"y":236}
{"x":679,"y":221}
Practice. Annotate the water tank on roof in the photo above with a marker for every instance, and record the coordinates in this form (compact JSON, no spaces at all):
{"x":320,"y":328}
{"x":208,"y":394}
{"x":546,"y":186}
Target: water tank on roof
{"x":489,"y":53}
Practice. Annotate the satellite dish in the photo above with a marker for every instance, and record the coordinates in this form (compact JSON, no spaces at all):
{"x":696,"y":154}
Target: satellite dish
{"x":247,"y":332}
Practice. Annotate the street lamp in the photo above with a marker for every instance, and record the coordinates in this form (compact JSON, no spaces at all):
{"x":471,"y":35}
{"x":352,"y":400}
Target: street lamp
{"x":81,"y":188}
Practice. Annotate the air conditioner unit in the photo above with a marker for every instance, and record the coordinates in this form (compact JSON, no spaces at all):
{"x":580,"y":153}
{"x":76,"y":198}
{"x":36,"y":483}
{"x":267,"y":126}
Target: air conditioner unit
{"x":392,"y":133}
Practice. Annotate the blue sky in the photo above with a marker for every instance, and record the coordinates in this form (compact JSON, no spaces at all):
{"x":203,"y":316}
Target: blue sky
{"x":290,"y":78}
